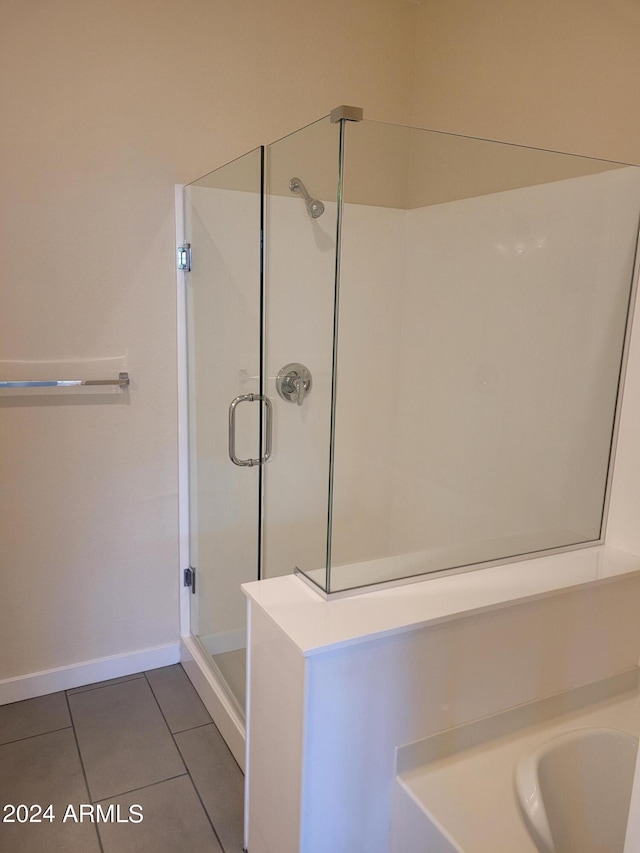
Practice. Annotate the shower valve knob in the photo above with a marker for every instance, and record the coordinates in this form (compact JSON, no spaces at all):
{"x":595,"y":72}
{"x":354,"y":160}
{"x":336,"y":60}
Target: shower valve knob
{"x":293,"y":383}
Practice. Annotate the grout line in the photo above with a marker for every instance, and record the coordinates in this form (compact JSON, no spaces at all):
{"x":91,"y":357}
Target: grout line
{"x":84,"y":772}
{"x":175,"y":743}
{"x":166,"y":723}
{"x":213,"y":723}
{"x":39,"y":734}
{"x":29,"y":699}
{"x":141,"y":788}
{"x":204,"y":809}
{"x":193,"y":728}
{"x":190,"y":686}
{"x":75,"y":691}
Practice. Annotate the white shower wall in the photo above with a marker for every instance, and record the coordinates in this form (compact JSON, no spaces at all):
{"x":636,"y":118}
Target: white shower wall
{"x":521,"y":341}
{"x":488,"y":325}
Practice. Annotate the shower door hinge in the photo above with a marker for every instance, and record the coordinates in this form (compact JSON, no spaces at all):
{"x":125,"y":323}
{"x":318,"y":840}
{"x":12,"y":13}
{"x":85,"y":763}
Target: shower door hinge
{"x":184,"y":257}
{"x":190,"y":578}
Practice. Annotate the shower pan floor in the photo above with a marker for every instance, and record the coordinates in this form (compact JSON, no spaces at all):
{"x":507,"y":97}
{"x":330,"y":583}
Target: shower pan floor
{"x":233,"y":668}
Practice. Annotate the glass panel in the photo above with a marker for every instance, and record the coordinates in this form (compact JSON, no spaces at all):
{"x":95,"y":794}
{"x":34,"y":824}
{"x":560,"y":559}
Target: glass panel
{"x":484,"y":292}
{"x":300,"y":275}
{"x":223,"y":220}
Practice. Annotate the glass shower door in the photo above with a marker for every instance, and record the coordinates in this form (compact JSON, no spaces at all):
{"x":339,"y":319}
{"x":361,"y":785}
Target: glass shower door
{"x":223,"y":224}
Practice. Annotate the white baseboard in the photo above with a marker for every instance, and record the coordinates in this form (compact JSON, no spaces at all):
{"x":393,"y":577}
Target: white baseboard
{"x":88,"y":672}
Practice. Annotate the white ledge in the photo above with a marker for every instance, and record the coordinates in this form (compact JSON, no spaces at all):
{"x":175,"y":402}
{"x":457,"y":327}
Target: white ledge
{"x":317,"y":625}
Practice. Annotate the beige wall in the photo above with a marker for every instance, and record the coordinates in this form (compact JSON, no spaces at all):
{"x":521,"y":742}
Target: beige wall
{"x":557,"y":75}
{"x":106,"y":105}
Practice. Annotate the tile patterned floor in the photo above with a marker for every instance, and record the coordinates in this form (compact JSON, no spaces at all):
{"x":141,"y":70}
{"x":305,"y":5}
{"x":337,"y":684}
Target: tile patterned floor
{"x":143,"y":741}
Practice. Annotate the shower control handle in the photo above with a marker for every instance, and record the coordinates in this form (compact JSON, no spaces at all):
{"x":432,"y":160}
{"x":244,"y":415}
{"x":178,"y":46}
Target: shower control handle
{"x":293,"y":383}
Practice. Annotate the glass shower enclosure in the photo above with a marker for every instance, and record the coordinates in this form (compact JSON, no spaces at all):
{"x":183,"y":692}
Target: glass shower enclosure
{"x":412,"y":342}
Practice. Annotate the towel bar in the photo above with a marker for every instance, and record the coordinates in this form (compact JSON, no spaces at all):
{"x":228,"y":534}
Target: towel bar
{"x":123,"y":381}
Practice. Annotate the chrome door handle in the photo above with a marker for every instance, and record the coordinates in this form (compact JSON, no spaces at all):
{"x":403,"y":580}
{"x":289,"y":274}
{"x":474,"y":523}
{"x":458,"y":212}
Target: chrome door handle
{"x":250,"y":398}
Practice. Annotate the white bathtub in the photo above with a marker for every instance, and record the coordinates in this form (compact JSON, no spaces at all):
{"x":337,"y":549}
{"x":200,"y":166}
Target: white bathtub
{"x":574,"y":790}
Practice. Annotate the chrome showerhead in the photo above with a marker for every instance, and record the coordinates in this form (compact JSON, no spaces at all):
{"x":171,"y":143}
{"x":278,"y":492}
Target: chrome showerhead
{"x":315,"y":207}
